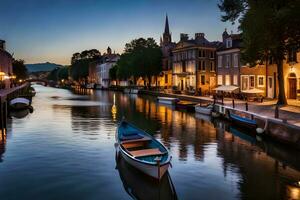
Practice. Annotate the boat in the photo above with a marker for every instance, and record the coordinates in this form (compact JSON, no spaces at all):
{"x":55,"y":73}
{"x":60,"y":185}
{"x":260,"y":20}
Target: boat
{"x":134,"y":91}
{"x":19,"y":103}
{"x":206,"y":110}
{"x":243,"y":121}
{"x":142,"y":151}
{"x":186,"y":105}
{"x":140,"y":186}
{"x":167,"y":100}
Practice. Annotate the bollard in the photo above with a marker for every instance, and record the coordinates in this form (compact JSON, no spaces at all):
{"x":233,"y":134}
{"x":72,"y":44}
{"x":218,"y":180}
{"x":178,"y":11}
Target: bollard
{"x":276,"y":111}
{"x":233,"y":106}
{"x":246,"y":105}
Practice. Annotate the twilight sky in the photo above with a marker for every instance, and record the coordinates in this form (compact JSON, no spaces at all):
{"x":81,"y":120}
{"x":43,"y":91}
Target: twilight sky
{"x":52,"y":30}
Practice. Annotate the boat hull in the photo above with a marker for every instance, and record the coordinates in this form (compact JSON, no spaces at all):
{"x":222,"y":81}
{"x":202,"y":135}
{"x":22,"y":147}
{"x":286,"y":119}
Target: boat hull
{"x":243,"y":123}
{"x":168,"y":101}
{"x":19,"y":103}
{"x":203,"y":110}
{"x":154,"y":171}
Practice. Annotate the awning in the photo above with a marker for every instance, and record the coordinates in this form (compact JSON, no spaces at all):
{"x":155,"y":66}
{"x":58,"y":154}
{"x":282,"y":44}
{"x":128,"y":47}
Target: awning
{"x":226,"y":88}
{"x":253,"y":91}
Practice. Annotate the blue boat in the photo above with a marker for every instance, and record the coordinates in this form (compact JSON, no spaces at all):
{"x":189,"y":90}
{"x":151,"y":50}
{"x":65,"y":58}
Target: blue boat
{"x":142,"y":151}
{"x":243,"y":121}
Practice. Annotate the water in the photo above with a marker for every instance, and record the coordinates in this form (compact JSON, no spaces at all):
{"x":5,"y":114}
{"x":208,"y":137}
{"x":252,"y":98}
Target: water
{"x":65,"y":150}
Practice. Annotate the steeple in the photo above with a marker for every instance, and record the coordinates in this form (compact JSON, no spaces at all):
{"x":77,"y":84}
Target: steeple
{"x":167,"y":29}
{"x":167,"y":39}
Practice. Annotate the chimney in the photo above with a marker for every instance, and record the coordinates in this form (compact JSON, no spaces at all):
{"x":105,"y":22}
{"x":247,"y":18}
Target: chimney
{"x":199,"y":36}
{"x":2,"y":45}
{"x":184,"y":37}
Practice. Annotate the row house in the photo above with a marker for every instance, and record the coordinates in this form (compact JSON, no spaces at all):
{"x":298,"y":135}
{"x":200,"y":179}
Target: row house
{"x":194,"y":64}
{"x":6,"y":70}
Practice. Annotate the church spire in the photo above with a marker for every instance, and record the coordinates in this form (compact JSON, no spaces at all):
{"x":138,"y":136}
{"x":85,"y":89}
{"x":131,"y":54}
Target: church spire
{"x":167,"y":29}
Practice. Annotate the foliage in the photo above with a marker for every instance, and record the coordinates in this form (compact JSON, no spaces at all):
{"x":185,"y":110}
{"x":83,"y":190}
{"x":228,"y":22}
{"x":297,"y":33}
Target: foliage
{"x":80,"y":63}
{"x":59,"y":73}
{"x":19,"y":69}
{"x":142,"y":58}
{"x":270,"y":28}
{"x":113,"y":72}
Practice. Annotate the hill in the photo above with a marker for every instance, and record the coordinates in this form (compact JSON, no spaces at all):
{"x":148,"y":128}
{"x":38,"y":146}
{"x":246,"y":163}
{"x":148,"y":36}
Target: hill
{"x":41,"y":67}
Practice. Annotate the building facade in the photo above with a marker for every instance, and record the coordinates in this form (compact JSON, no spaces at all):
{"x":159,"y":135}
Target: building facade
{"x":6,"y":70}
{"x":194,"y":68}
{"x":228,"y":60}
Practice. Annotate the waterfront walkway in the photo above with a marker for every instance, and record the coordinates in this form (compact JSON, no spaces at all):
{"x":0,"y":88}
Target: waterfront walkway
{"x":289,"y":113}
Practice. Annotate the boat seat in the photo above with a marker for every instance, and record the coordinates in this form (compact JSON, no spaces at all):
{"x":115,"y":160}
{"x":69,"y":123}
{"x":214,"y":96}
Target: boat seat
{"x":146,"y":152}
{"x":135,"y":143}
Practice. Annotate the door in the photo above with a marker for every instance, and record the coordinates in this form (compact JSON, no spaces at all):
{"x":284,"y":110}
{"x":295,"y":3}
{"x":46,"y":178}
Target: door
{"x":270,"y":87}
{"x":292,"y":88}
{"x":245,"y":82}
{"x":181,"y":85}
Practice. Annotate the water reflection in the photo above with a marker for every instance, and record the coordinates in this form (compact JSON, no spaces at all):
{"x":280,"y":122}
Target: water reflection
{"x":140,"y":186}
{"x":2,"y":144}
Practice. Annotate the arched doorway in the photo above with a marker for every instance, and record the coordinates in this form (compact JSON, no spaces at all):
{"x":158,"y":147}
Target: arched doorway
{"x":292,"y":86}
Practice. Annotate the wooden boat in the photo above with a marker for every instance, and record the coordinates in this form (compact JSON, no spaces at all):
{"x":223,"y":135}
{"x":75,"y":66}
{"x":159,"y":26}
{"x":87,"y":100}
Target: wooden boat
{"x":19,"y":103}
{"x":206,"y":110}
{"x":142,"y":151}
{"x":167,"y":100}
{"x":243,"y":121}
{"x":141,"y":186}
{"x":186,"y":105}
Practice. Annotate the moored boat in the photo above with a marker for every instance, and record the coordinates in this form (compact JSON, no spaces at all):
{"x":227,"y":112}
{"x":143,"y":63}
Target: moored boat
{"x":186,"y":105}
{"x":243,"y":121}
{"x":142,"y":151}
{"x":167,"y":100}
{"x":206,"y":110}
{"x":19,"y":103}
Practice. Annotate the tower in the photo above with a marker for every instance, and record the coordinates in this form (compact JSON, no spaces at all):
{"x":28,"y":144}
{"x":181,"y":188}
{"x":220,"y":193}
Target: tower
{"x":108,"y":50}
{"x":166,"y":35}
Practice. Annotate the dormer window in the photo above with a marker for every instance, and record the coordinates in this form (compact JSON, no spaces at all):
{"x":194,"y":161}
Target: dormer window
{"x":228,"y":43}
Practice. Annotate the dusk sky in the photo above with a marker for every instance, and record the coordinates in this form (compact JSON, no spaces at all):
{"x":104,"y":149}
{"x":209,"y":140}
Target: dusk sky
{"x":52,"y":30}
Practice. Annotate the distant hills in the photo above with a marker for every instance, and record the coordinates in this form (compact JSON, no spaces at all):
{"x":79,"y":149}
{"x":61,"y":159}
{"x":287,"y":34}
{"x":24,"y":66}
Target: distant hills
{"x":42,"y":67}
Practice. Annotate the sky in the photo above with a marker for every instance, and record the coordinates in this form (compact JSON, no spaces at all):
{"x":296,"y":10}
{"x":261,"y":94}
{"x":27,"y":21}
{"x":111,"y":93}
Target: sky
{"x":52,"y":30}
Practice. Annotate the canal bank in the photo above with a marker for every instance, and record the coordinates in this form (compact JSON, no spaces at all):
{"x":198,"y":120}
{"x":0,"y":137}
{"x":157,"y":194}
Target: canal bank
{"x":277,"y":129}
{"x":65,"y":150}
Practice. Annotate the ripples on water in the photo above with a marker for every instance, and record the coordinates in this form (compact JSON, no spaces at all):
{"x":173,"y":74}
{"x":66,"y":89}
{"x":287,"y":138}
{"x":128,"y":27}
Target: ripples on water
{"x":65,"y":150}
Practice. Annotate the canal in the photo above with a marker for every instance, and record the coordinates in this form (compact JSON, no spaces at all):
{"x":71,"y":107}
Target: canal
{"x":65,"y":150}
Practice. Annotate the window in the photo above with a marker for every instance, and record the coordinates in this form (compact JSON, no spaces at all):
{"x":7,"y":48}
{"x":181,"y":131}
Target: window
{"x":292,"y":55}
{"x":212,"y":67}
{"x":252,"y":82}
{"x":200,"y":53}
{"x":220,"y":80}
{"x":260,"y":81}
{"x":203,"y":66}
{"x":166,"y":78}
{"x":227,"y":79}
{"x":235,"y":80}
{"x":219,"y":61}
{"x":235,"y":60}
{"x":227,"y":61}
{"x":229,"y":43}
{"x":212,"y":54}
{"x":202,"y":79}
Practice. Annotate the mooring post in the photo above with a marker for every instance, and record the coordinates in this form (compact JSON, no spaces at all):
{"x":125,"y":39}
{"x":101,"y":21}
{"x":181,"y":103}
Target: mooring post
{"x":276,"y":111}
{"x":233,"y":106}
{"x":246,"y":105}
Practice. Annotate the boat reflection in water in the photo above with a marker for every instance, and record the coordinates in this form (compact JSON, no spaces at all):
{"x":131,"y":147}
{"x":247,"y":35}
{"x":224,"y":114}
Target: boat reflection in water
{"x":19,"y":114}
{"x":141,"y":186}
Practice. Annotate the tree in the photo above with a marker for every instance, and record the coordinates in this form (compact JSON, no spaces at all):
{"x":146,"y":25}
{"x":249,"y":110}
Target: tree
{"x":270,"y":28}
{"x":113,"y":72}
{"x":19,"y":69}
{"x":80,"y":63}
{"x":142,"y":58}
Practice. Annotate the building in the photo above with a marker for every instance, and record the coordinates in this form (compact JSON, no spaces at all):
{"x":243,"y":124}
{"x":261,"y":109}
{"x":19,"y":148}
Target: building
{"x":291,"y":74}
{"x":6,"y":70}
{"x":228,"y":60}
{"x":108,"y":61}
{"x":166,"y":44}
{"x":194,"y":64}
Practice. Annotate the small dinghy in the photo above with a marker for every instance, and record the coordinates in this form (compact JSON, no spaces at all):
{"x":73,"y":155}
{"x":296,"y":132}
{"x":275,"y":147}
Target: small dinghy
{"x":243,"y":121}
{"x":19,"y":103}
{"x":206,"y":110}
{"x":167,"y":100}
{"x":186,"y":105}
{"x":142,"y":151}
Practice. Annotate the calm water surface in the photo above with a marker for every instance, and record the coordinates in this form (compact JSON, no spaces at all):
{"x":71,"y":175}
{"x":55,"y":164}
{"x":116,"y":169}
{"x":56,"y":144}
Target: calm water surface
{"x":65,"y":150}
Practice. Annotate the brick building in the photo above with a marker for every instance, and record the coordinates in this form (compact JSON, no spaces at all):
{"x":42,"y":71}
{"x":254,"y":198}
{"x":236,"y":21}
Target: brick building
{"x":5,"y":66}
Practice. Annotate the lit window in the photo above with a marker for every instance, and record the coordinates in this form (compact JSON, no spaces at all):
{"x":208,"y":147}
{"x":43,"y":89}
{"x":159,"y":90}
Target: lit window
{"x":220,"y":80}
{"x":235,"y":80}
{"x":212,"y":67}
{"x":227,"y":79}
{"x":260,"y":81}
{"x":202,"y":79}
